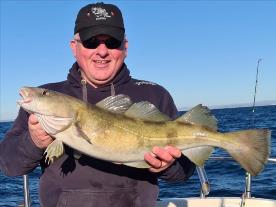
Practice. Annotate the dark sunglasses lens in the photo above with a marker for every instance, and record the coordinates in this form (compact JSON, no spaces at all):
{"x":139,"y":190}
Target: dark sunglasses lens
{"x":91,"y":43}
{"x":112,"y":43}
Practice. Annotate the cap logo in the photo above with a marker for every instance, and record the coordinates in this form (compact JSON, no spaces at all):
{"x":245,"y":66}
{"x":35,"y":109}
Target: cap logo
{"x":100,"y":13}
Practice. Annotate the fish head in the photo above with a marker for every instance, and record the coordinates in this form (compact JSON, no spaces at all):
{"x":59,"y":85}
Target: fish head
{"x":46,"y":102}
{"x":55,"y":111}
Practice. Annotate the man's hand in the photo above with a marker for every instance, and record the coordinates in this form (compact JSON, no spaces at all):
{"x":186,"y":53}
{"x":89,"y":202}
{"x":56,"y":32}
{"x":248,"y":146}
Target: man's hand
{"x":161,"y":158}
{"x":38,"y":135}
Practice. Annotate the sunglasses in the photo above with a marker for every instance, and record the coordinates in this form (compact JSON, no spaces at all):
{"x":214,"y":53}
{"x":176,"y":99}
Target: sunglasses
{"x":93,"y":43}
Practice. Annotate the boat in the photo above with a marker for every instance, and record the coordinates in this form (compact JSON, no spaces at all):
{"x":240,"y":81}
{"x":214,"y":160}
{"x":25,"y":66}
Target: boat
{"x":217,"y":202}
{"x":245,"y":200}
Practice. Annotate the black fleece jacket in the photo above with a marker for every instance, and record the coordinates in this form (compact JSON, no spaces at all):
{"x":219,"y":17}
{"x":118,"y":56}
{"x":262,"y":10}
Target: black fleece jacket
{"x":87,"y":181}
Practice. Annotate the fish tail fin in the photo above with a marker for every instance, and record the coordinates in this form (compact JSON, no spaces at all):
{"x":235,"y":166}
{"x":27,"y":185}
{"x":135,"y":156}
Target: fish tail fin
{"x":253,"y":150}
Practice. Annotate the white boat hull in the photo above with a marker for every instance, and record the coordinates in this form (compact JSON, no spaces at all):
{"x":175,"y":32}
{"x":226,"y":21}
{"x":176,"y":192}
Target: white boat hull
{"x":216,"y":202}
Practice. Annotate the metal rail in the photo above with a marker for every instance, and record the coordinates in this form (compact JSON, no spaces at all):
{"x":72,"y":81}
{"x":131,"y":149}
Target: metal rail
{"x":206,"y":185}
{"x":27,"y":200}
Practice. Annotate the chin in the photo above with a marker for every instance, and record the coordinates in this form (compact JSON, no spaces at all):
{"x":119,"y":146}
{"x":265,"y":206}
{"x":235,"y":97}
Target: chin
{"x":101,"y":81}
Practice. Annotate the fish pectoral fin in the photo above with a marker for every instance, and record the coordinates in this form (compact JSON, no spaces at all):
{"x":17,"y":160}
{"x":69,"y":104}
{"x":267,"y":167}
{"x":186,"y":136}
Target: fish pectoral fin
{"x":146,"y":111}
{"x":200,"y":115}
{"x":116,"y":104}
{"x":198,"y":155}
{"x":137,"y":164}
{"x":78,"y":132}
{"x":54,"y":151}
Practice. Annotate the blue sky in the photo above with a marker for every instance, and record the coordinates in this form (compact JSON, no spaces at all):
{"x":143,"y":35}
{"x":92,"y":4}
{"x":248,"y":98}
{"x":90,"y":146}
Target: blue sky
{"x":200,"y":51}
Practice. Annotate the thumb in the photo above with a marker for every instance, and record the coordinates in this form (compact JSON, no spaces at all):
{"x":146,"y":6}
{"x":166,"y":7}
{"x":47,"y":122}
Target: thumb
{"x":33,"y":119}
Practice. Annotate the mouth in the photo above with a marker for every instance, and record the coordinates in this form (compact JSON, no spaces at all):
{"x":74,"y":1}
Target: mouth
{"x":26,"y":98}
{"x":101,"y":62}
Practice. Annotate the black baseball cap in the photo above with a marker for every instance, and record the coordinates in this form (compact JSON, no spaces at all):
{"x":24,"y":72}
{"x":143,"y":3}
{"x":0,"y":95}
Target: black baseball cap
{"x":100,"y":18}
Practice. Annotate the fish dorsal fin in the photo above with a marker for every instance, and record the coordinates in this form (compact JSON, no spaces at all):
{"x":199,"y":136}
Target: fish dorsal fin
{"x":146,"y":111}
{"x":200,"y":115}
{"x":116,"y":104}
{"x":52,"y":125}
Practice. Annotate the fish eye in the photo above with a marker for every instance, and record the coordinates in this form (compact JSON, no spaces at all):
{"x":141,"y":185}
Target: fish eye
{"x":45,"y":92}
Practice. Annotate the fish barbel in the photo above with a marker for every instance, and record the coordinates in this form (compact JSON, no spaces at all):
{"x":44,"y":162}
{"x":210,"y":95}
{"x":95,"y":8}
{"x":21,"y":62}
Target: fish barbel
{"x":119,"y":131}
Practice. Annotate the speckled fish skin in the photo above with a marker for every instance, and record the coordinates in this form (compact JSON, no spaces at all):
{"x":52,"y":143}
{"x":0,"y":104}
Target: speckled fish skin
{"x":121,"y":138}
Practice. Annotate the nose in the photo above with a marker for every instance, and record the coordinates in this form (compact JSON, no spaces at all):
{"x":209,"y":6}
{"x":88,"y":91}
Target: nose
{"x":102,"y":50}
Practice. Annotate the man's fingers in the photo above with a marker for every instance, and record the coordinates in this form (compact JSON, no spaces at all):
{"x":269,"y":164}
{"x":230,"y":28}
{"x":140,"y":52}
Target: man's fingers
{"x":47,"y":141}
{"x":151,"y":159}
{"x":173,"y":151}
{"x":161,"y":158}
{"x":35,"y":127}
{"x":163,"y":154}
{"x":157,"y":165}
{"x":37,"y":133}
{"x":33,"y":120}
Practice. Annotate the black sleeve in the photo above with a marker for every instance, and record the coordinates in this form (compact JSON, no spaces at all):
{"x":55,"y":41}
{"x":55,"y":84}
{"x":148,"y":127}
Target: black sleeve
{"x":18,"y":153}
{"x":181,"y":170}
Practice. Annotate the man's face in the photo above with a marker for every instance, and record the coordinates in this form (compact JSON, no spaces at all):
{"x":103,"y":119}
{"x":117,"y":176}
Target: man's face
{"x":99,"y":65}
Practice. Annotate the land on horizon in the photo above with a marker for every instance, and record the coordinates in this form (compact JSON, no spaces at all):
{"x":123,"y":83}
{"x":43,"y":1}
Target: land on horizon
{"x":238,"y":105}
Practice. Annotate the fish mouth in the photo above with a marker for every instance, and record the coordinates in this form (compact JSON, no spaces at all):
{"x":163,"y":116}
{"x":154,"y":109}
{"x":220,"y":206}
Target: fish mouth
{"x":26,"y":97}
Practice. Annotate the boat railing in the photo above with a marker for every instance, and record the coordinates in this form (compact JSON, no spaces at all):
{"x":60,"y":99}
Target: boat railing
{"x":27,"y":198}
{"x":205,"y":185}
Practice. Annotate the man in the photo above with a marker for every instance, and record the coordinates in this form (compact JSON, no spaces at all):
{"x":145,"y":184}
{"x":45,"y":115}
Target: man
{"x":100,"y":47}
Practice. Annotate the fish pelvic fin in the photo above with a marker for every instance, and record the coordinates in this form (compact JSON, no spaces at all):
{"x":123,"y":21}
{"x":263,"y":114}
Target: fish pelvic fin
{"x":253,"y":150}
{"x":54,"y":151}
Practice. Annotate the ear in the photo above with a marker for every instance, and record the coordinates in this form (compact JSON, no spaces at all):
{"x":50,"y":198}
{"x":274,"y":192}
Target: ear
{"x":125,"y":46}
{"x":73,"y":45}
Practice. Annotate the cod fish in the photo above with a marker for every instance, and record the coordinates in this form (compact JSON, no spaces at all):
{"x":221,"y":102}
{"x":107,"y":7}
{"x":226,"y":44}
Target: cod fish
{"x":119,"y":131}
